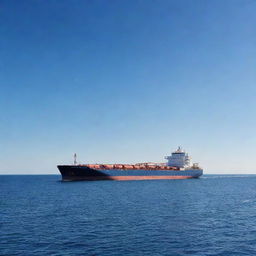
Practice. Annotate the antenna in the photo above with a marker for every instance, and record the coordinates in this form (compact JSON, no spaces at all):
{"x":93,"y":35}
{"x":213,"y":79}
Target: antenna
{"x":75,"y":159}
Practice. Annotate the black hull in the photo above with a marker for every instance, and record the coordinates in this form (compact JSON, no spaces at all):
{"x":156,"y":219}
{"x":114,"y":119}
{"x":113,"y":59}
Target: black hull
{"x":79,"y":173}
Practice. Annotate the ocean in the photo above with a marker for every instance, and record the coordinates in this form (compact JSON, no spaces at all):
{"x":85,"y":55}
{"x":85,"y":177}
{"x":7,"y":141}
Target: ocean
{"x":213,"y":215}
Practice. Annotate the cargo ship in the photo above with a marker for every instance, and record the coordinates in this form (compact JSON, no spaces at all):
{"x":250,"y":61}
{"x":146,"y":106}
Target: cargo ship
{"x":177,"y":167}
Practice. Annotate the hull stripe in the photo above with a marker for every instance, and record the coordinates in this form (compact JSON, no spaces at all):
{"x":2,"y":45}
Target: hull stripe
{"x":167,"y":177}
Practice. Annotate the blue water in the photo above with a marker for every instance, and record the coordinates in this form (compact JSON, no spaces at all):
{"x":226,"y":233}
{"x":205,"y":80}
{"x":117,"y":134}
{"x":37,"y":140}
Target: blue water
{"x":214,"y":215}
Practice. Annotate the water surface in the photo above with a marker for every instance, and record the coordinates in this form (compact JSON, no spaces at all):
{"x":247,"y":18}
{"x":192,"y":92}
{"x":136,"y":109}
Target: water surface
{"x":213,"y":215}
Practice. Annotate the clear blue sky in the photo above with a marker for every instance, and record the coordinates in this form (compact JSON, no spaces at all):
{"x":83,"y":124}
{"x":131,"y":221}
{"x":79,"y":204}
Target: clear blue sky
{"x":127,"y":81}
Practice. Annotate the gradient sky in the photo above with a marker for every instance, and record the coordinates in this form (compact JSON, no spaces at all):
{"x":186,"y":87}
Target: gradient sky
{"x":127,"y":81}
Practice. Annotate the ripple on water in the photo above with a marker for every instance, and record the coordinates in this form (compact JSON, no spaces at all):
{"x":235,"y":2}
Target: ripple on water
{"x":209,"y":216}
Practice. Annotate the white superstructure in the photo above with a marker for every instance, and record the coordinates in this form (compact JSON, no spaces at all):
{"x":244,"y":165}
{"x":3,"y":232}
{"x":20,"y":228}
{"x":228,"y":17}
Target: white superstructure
{"x":179,"y":158}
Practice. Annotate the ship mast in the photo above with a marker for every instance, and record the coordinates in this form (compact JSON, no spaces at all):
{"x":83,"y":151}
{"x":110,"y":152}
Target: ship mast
{"x":75,"y":162}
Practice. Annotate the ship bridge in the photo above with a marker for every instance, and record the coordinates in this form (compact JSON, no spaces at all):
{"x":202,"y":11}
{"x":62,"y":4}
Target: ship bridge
{"x":179,"y":158}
